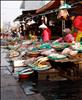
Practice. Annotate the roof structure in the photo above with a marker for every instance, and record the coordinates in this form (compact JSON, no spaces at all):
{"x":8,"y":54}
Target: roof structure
{"x":51,"y":5}
{"x":54,"y":4}
{"x":24,"y":15}
{"x":32,"y":5}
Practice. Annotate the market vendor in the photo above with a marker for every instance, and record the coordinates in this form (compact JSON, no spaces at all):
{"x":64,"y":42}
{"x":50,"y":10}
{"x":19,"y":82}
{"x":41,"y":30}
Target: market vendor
{"x":22,"y":31}
{"x":32,"y":35}
{"x":67,"y":36}
{"x":18,"y":33}
{"x":77,"y":23}
{"x":13,"y":32}
{"x":46,"y":34}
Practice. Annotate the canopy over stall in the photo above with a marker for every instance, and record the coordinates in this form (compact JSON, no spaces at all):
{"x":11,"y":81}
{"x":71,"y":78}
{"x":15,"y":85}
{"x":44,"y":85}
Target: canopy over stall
{"x":25,"y":15}
{"x":51,"y":5}
{"x":54,"y":4}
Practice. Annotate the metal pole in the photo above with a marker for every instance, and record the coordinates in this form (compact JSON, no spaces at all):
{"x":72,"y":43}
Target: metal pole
{"x":63,"y":25}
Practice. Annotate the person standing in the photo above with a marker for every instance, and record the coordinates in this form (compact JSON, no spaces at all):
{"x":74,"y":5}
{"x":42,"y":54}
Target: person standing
{"x":77,"y":24}
{"x":46,"y":34}
{"x":14,"y":33}
{"x":67,"y":36}
{"x":18,"y":33}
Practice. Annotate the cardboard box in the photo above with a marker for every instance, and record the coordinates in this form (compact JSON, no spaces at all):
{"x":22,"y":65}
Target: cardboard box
{"x":48,"y":74}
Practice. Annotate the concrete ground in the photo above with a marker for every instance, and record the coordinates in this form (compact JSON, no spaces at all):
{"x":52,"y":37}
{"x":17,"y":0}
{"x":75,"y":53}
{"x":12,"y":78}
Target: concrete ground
{"x":10,"y":88}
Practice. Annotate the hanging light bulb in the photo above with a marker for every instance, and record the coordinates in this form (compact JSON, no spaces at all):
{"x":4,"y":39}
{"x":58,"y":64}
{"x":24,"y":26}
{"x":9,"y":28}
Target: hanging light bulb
{"x":63,"y":13}
{"x":63,"y":10}
{"x":64,"y":5}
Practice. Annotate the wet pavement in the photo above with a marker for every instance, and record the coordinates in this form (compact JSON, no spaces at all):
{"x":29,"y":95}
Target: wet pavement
{"x":11,"y":89}
{"x":61,"y":90}
{"x":57,"y":90}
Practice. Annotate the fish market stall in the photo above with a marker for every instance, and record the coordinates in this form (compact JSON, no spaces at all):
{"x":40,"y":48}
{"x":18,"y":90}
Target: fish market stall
{"x":41,"y":57}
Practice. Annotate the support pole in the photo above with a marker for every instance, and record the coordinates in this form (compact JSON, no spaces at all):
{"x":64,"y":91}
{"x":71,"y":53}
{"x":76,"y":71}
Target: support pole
{"x":63,"y":25}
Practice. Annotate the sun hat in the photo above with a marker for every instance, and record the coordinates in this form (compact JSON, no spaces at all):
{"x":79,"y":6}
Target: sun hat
{"x":43,"y":26}
{"x":31,"y":22}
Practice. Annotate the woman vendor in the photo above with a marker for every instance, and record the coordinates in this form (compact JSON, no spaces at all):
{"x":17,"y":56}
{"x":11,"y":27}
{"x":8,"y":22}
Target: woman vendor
{"x":46,"y":34}
{"x":77,"y":23}
{"x":67,"y":36}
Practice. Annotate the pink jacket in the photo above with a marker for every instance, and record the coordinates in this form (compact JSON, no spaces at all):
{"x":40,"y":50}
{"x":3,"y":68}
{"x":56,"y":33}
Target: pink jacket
{"x":46,"y":35}
{"x":68,"y":38}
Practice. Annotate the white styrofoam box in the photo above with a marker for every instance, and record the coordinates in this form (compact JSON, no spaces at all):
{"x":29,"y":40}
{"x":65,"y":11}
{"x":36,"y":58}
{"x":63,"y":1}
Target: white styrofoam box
{"x":18,"y":63}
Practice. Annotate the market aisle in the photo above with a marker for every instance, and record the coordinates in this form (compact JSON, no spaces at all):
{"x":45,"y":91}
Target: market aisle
{"x":10,"y":89}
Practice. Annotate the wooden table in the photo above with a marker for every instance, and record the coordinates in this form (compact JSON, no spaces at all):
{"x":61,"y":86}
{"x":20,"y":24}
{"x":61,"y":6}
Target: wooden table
{"x":67,"y":67}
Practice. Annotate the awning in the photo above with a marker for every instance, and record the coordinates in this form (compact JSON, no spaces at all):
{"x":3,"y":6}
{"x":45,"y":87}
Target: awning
{"x":25,"y":15}
{"x":77,"y":10}
{"x":32,"y":4}
{"x":54,"y":4}
{"x":51,"y":5}
{"x":18,"y":18}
